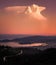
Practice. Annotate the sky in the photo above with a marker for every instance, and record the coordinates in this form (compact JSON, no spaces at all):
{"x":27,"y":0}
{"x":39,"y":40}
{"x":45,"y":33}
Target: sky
{"x":21,"y":17}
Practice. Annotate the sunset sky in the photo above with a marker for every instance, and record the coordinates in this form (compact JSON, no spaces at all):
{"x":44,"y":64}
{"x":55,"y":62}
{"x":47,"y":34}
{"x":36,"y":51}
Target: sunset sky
{"x":17,"y":18}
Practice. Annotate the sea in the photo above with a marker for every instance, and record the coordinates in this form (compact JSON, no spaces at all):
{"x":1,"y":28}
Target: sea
{"x":17,"y":44}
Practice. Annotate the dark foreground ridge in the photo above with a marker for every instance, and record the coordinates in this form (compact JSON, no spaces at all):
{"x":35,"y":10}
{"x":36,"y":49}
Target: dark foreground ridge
{"x":32,"y":39}
{"x":24,"y":56}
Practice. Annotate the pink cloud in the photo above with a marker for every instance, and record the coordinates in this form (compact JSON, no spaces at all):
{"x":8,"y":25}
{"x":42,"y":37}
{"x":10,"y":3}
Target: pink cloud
{"x":16,"y":9}
{"x":32,"y":10}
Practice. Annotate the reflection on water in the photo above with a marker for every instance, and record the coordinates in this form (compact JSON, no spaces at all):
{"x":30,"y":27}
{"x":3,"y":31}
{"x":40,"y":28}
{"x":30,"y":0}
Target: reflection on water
{"x":14,"y":44}
{"x":38,"y":45}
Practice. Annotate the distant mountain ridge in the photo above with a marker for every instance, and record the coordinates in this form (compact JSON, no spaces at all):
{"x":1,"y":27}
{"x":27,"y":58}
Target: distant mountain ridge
{"x":35,"y":39}
{"x":32,"y":39}
{"x":12,"y":36}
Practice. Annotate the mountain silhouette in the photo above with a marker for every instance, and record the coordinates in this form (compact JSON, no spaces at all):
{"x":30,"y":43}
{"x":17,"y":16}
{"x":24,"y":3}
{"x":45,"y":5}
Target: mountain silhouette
{"x":32,"y":39}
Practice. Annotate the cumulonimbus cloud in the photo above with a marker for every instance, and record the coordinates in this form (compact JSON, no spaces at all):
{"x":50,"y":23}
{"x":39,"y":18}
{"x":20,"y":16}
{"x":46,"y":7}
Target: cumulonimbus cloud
{"x":35,"y":11}
{"x":32,"y":10}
